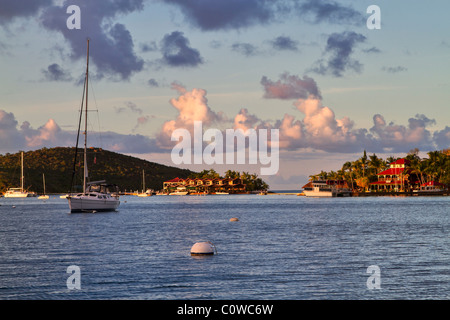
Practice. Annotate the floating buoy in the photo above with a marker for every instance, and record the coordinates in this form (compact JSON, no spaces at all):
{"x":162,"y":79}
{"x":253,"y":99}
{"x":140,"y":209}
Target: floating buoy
{"x":234,"y":219}
{"x":203,"y":248}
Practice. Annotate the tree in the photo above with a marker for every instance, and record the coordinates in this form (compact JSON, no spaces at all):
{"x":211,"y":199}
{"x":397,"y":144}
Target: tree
{"x":376,"y":164}
{"x":230,"y":174}
{"x":363,"y":162}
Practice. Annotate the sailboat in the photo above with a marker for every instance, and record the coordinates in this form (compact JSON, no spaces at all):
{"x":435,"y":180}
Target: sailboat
{"x":147,"y":193}
{"x":44,"y":196}
{"x":96,"y":195}
{"x":19,"y":192}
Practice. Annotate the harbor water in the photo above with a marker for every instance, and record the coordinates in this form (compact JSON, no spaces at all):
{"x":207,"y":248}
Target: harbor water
{"x":282,"y":247}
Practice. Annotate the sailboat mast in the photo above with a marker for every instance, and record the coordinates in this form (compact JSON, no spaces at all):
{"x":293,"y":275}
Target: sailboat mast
{"x":21,"y":173}
{"x":85,"y":175}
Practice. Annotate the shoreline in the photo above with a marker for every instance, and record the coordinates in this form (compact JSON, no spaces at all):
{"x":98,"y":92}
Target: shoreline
{"x":378,"y":194}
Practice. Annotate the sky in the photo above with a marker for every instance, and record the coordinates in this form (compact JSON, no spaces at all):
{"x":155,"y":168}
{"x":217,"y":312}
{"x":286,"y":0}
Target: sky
{"x":313,"y":70}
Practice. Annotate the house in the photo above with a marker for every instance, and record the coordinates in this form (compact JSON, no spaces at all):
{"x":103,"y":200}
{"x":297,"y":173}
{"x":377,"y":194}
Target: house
{"x":396,"y":178}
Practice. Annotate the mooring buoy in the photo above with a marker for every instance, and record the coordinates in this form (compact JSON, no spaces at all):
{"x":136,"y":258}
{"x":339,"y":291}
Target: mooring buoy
{"x":203,"y":248}
{"x":234,"y":219}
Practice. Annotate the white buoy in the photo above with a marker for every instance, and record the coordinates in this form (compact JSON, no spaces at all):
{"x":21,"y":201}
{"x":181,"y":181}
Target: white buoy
{"x":203,"y":248}
{"x":234,"y":219}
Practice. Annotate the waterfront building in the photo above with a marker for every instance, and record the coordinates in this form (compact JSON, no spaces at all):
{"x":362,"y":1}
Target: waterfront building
{"x":209,"y":186}
{"x":396,"y":178}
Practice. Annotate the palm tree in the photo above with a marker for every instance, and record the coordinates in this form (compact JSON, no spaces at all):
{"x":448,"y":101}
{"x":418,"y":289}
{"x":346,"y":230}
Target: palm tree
{"x":347,"y":169}
{"x":390,"y":159}
{"x":376,"y":163}
{"x":435,"y":164}
{"x":363,"y":161}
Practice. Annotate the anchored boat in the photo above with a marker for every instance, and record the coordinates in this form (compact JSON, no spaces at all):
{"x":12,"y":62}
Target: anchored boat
{"x":96,"y":196}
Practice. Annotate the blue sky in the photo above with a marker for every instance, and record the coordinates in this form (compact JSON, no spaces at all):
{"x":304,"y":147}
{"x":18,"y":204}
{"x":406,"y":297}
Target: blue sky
{"x":311,"y":69}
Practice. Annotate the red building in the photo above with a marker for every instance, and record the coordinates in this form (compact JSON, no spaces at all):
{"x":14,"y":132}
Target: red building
{"x":396,"y":178}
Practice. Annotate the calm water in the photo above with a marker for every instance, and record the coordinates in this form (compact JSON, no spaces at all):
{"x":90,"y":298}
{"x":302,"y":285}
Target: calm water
{"x":284,"y":247}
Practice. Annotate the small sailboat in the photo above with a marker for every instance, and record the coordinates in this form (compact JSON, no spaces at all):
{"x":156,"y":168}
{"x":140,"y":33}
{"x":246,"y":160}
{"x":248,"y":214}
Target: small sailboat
{"x":19,"y":192}
{"x":96,"y":195}
{"x":44,"y":196}
{"x":147,"y":193}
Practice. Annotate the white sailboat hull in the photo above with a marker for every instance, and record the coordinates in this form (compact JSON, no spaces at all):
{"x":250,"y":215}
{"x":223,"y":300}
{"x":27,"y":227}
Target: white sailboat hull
{"x":319,"y":193}
{"x":19,"y":195}
{"x":86,"y":203}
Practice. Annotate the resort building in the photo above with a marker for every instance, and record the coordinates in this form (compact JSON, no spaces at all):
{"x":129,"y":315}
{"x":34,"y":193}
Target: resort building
{"x":209,"y":186}
{"x":396,"y":178}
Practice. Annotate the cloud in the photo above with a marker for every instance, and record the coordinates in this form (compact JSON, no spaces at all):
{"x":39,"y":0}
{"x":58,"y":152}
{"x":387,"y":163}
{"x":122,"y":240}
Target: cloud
{"x":129,"y":106}
{"x":339,"y":49}
{"x":191,"y":106}
{"x":442,"y":138}
{"x":372,"y":50}
{"x":149,"y":47}
{"x":11,"y":138}
{"x":330,"y":12}
{"x":403,"y":138}
{"x":49,"y":135}
{"x":55,"y":73}
{"x":128,"y":143}
{"x":244,"y":121}
{"x":245,"y":49}
{"x":176,"y":51}
{"x":284,"y":43}
{"x":12,"y":9}
{"x":321,"y":130}
{"x":153,"y":83}
{"x":112,"y":47}
{"x":290,"y":87}
{"x":210,"y":15}
{"x":25,"y":137}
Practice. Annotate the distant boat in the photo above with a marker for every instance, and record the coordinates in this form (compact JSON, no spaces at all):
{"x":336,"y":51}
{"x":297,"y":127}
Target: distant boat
{"x":96,"y":196}
{"x":147,"y":193}
{"x":44,"y":196}
{"x":181,"y":191}
{"x":222,"y":192}
{"x":430,"y":187}
{"x":326,"y":188}
{"x":19,"y":192}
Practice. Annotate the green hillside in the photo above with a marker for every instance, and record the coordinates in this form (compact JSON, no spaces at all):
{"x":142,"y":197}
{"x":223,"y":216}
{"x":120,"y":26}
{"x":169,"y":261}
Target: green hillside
{"x":57,"y":165}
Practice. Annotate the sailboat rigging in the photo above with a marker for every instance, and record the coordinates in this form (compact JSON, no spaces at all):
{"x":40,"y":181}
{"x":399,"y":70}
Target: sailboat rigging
{"x":96,"y":195}
{"x":44,"y":196}
{"x":19,"y":192}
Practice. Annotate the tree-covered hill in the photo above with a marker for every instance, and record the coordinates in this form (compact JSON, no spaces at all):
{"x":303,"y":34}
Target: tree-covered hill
{"x":57,"y":165}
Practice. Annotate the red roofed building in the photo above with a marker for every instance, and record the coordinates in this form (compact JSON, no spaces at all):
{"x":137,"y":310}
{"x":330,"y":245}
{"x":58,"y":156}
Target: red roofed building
{"x":396,"y":178}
